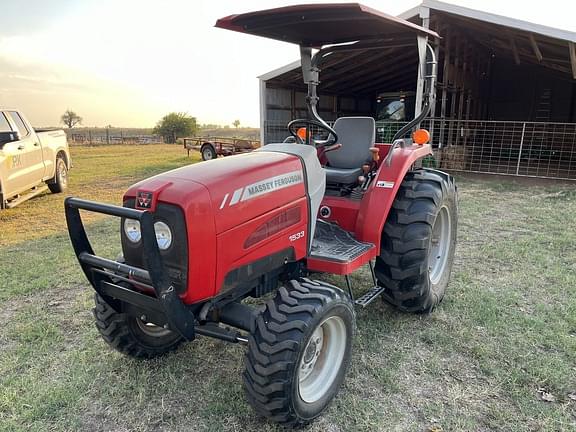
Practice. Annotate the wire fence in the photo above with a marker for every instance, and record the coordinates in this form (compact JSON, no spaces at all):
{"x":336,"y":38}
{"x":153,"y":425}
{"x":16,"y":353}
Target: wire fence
{"x":536,"y":149}
{"x":111,"y":136}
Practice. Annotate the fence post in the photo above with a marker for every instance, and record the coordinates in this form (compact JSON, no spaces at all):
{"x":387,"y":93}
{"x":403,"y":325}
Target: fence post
{"x":521,"y":145}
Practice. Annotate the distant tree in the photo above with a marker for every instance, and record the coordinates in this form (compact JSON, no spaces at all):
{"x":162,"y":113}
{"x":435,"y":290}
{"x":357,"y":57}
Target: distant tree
{"x":175,"y":125}
{"x":70,"y":119}
{"x":236,"y":123}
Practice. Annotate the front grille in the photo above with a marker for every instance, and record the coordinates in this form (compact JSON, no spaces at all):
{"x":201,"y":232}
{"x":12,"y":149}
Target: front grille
{"x":175,"y":258}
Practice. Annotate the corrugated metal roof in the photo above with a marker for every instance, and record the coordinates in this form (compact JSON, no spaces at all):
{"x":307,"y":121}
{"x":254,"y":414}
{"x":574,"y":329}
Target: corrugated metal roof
{"x":558,"y":42}
{"x":493,"y":19}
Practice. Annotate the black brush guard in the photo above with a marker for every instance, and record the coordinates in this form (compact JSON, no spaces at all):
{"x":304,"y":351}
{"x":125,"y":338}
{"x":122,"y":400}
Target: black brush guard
{"x":104,"y":274}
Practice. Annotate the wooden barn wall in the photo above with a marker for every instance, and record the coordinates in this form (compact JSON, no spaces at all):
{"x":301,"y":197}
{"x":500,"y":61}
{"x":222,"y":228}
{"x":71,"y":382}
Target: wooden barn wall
{"x":522,"y":92}
{"x":283,"y":105}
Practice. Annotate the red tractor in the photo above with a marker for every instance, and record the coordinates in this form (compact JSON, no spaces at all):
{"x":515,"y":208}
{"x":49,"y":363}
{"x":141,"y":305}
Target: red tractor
{"x":199,"y":240}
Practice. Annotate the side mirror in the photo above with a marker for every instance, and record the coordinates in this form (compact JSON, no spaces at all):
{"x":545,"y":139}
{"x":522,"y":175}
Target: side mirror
{"x":8,"y":137}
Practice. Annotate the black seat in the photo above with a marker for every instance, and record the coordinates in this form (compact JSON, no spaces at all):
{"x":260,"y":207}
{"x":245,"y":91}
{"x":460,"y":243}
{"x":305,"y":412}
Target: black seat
{"x":357,"y":135}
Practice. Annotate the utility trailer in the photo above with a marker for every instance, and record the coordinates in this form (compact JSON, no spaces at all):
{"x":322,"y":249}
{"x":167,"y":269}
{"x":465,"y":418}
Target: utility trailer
{"x":199,"y":240}
{"x":212,"y":147}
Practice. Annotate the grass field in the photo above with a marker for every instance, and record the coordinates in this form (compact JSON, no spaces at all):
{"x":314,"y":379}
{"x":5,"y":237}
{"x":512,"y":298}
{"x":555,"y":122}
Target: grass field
{"x":503,"y":340}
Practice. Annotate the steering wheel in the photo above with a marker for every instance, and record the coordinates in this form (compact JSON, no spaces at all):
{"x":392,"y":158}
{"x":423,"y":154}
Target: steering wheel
{"x":294,"y":125}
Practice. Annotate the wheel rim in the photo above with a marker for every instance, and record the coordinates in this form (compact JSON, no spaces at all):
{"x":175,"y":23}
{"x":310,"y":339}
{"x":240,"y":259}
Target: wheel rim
{"x":439,"y":245}
{"x":322,"y":359}
{"x":152,"y":329}
{"x":62,"y":173}
{"x":207,"y":154}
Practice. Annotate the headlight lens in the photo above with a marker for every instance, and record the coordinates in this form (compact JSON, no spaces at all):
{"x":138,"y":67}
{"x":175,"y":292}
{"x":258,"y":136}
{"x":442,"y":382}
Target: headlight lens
{"x":132,"y":230}
{"x":163,"y":235}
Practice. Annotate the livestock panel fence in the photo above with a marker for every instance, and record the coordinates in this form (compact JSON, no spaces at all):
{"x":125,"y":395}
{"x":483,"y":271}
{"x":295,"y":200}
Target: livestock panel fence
{"x":534,"y":149}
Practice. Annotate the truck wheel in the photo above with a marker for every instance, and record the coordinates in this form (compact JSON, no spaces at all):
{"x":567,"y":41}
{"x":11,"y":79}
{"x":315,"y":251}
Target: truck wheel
{"x":419,"y":241}
{"x":132,"y":336}
{"x":208,"y":152}
{"x":60,"y":181}
{"x":299,"y":352}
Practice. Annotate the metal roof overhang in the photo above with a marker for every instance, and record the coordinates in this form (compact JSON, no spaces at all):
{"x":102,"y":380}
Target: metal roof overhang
{"x":522,"y":41}
{"x":360,"y":73}
{"x":316,"y":25}
{"x":367,"y":73}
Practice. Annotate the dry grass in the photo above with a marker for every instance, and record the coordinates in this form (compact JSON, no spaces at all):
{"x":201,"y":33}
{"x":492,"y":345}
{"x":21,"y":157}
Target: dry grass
{"x":506,"y":329}
{"x":99,"y":172}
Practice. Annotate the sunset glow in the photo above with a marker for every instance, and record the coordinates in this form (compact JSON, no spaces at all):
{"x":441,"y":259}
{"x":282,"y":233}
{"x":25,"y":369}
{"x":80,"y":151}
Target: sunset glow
{"x":127,"y":63}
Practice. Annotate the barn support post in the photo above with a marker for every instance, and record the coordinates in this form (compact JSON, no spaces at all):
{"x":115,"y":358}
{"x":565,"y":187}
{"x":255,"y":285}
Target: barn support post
{"x":572,"y":52}
{"x":454,"y":92}
{"x":262,"y":91}
{"x":463,"y":86}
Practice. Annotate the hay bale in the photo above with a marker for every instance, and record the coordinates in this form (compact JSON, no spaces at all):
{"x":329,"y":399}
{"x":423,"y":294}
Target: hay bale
{"x":453,"y":157}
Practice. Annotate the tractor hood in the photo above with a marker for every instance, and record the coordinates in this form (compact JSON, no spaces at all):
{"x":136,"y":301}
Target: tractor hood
{"x":238,"y":188}
{"x":315,"y":25}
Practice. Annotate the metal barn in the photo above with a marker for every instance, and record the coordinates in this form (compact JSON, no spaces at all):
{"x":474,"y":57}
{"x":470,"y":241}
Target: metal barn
{"x":506,"y":94}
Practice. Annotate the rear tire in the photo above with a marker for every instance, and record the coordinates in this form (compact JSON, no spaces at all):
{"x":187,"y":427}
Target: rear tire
{"x":419,"y":241}
{"x":299,"y":352}
{"x":208,"y":152}
{"x":132,"y":336}
{"x":60,"y":181}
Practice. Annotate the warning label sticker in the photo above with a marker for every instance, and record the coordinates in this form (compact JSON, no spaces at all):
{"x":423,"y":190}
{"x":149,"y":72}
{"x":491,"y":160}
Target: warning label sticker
{"x":385,"y":184}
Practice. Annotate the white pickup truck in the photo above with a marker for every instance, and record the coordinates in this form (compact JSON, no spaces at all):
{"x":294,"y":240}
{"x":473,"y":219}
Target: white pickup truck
{"x":31,"y":160}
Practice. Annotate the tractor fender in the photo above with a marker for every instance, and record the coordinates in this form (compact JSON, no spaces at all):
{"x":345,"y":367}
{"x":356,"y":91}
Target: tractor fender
{"x":381,"y":193}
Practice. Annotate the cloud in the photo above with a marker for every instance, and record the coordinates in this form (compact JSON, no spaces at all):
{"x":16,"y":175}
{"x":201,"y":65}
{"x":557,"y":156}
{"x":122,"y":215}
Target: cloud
{"x":139,"y":59}
{"x":44,"y":92}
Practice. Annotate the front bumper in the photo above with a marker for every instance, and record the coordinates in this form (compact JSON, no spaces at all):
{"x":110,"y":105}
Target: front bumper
{"x":105,"y":275}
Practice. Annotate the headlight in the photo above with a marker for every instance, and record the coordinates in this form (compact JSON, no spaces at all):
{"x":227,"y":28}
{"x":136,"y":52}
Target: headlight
{"x":132,"y":230}
{"x":163,"y":235}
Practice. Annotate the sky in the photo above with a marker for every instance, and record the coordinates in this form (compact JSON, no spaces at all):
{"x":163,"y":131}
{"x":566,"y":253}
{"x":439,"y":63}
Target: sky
{"x":126,"y":63}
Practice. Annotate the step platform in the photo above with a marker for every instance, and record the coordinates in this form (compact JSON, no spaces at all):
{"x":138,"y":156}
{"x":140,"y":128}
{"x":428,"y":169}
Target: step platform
{"x":335,"y":250}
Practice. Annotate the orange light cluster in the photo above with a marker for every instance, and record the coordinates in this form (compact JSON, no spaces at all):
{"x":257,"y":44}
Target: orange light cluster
{"x":421,"y":136}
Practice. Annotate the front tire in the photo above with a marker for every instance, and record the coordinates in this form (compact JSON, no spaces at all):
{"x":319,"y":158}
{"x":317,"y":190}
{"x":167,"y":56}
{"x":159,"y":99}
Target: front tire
{"x":419,"y":241}
{"x":60,"y":181}
{"x":299,"y":352}
{"x":132,"y":336}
